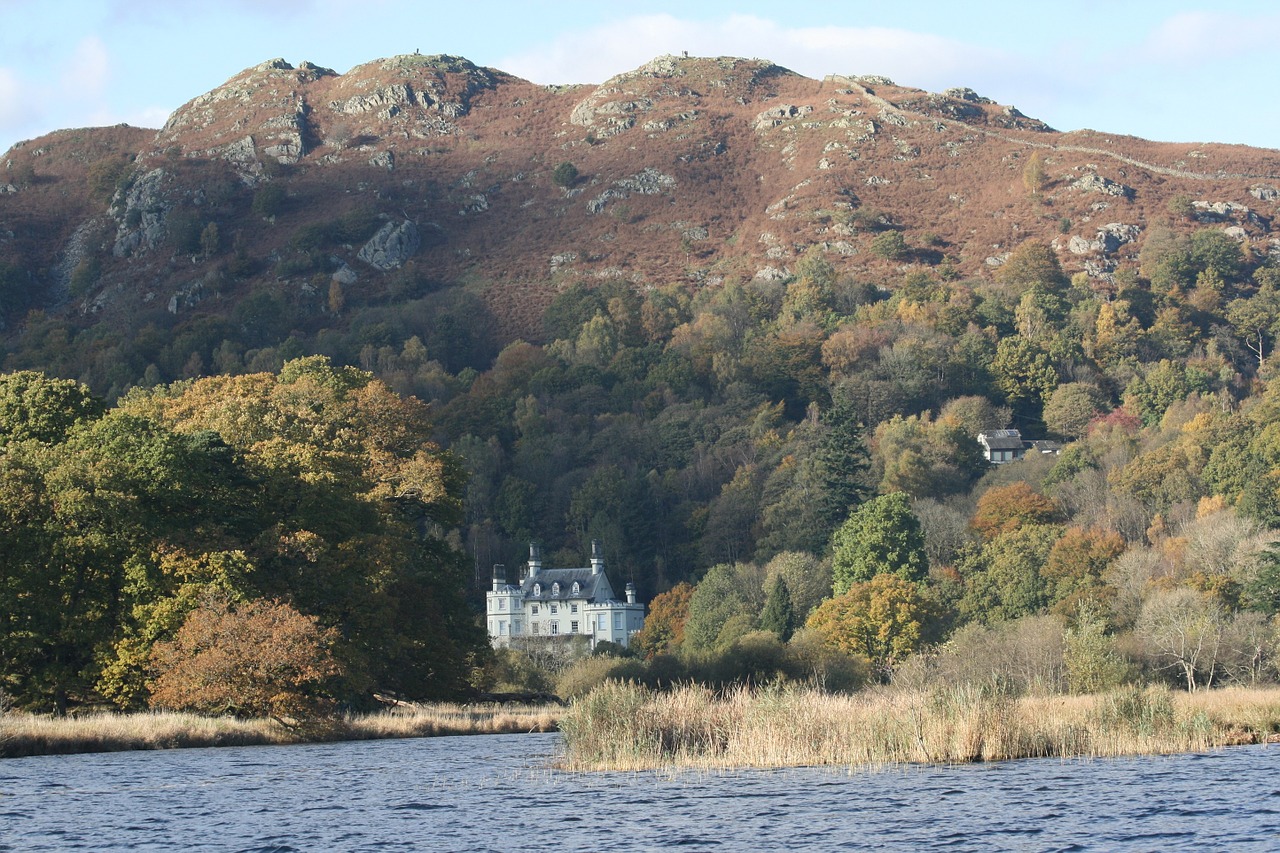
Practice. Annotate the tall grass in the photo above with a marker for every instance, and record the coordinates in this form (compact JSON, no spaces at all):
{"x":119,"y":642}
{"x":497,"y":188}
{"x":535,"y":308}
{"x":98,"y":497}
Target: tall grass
{"x":627,"y":727}
{"x":31,"y":734}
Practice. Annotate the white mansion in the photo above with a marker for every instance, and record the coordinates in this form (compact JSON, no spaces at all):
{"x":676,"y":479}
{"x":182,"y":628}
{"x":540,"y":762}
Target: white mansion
{"x":561,"y":603}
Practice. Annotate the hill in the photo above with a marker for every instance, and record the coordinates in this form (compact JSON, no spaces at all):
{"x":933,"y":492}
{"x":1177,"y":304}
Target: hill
{"x":694,"y":170}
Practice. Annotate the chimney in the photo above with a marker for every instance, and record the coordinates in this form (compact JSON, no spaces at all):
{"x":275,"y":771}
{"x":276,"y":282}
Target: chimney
{"x":597,"y":557}
{"x":631,"y":593}
{"x":499,"y":576}
{"x":535,"y":559}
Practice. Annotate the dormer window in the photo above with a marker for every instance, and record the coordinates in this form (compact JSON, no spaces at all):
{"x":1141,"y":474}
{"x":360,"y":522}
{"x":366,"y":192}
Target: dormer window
{"x":576,"y":588}
{"x":537,"y":589}
{"x":555,"y":589}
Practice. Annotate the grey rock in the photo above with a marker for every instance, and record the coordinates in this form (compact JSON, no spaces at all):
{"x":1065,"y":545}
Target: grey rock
{"x":1081,"y":246}
{"x":1264,"y":193}
{"x":188,"y":296}
{"x":345,"y":276}
{"x":647,"y":182}
{"x":1113,"y":235}
{"x":394,"y":244}
{"x":146,"y":202}
{"x":772,"y":274}
{"x":1097,"y":184}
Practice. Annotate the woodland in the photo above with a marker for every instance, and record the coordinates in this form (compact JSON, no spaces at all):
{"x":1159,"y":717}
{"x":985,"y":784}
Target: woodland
{"x":788,"y":470}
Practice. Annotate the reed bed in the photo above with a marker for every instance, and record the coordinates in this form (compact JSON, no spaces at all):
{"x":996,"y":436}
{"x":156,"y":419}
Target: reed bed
{"x":32,"y":734}
{"x":627,"y":727}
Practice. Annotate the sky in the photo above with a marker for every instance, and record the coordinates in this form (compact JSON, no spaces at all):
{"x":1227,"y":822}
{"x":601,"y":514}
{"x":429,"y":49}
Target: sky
{"x":1165,"y":70}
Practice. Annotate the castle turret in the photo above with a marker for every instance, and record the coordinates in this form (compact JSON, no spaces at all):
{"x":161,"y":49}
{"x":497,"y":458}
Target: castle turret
{"x":597,"y":557}
{"x":535,"y":559}
{"x":499,"y":576}
{"x":631,"y":593}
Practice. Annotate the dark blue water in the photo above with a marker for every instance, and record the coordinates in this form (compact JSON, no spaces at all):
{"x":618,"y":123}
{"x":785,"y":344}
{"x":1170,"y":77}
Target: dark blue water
{"x":499,"y":793}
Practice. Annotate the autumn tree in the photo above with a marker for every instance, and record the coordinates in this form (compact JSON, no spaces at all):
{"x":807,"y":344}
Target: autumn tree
{"x":663,"y":629}
{"x":254,"y":659}
{"x":1005,"y":508}
{"x":883,"y":620}
{"x":1033,"y":174}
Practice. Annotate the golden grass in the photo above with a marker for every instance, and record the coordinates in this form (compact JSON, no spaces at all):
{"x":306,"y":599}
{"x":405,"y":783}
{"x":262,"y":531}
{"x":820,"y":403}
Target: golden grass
{"x":32,"y":734}
{"x":626,"y":727}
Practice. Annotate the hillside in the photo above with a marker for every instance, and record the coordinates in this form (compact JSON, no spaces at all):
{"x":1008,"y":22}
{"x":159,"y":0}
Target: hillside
{"x":696,"y":170}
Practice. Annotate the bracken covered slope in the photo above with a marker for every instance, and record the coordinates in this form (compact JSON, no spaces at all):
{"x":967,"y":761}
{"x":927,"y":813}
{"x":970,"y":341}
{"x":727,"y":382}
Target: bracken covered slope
{"x":699,"y":170}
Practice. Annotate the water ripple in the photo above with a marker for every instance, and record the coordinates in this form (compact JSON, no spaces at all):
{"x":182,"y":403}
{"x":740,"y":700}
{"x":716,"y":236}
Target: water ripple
{"x":500,"y":793}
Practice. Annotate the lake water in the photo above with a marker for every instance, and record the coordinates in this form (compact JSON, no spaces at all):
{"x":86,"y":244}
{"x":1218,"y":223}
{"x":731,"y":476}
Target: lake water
{"x":499,"y":793}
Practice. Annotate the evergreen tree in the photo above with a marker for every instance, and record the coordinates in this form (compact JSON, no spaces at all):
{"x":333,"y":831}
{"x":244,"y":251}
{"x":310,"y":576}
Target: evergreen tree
{"x":842,"y":462}
{"x":778,"y":615}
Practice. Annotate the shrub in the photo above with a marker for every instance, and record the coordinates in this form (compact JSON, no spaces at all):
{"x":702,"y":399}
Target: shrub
{"x":565,"y":175}
{"x":258,"y":658}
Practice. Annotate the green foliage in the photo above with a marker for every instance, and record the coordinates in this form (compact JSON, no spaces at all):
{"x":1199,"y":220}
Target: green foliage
{"x":891,"y":246}
{"x":320,"y":487}
{"x":269,"y":200}
{"x":723,"y":607}
{"x":882,"y":536}
{"x":778,"y":616}
{"x":565,"y":175}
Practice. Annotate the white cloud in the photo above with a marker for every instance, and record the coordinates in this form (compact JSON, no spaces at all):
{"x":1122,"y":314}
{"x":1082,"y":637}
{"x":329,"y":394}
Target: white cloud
{"x":88,"y":70}
{"x":1198,"y":38}
{"x":14,"y":106}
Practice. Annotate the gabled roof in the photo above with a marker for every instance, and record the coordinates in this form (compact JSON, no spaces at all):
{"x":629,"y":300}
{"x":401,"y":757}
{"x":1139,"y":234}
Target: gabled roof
{"x":592,"y":587}
{"x":1001,"y":439}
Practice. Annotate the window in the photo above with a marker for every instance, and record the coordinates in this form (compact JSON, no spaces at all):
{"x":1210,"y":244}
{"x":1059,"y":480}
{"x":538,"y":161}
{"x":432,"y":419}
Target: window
{"x":555,"y":589}
{"x":617,"y":621}
{"x":573,"y":627}
{"x":554,"y":608}
{"x":555,"y":627}
{"x":502,"y":604}
{"x":535,"y":627}
{"x":537,"y":589}
{"x":502,"y":627}
{"x":576,"y":588}
{"x":573,"y":608}
{"x":533,"y":608}
{"x":604,"y":622}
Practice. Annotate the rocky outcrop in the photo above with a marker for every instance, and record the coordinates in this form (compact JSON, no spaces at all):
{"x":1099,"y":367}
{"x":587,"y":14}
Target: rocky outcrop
{"x":1109,"y":238}
{"x":394,"y":244}
{"x":1094,"y":183}
{"x":142,"y":214}
{"x":647,"y":182}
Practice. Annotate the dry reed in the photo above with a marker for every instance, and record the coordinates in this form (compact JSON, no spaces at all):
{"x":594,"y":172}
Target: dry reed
{"x":626,"y":727}
{"x":32,"y":734}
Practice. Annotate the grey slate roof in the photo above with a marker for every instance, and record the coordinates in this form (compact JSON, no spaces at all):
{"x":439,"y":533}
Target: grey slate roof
{"x":1002,"y":439}
{"x":592,"y":587}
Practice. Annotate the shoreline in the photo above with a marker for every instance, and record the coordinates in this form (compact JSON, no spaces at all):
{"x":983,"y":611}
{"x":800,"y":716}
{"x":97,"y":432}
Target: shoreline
{"x":627,"y":728}
{"x":28,"y":735}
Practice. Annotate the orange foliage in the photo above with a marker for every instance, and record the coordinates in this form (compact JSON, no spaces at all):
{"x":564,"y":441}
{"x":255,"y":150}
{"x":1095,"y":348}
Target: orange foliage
{"x":259,"y":658}
{"x":1005,"y":508}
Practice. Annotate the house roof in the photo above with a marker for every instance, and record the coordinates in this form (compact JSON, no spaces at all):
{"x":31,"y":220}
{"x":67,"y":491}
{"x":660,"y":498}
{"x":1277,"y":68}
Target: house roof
{"x":1001,"y":439}
{"x":592,"y":587}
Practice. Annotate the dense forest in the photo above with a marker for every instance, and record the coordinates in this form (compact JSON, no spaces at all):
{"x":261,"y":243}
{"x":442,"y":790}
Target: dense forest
{"x":259,"y":544}
{"x":743,"y":451}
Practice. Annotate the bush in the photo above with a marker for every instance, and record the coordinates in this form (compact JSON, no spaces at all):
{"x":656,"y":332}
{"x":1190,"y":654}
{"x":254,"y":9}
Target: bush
{"x":269,"y":201}
{"x":258,"y":658}
{"x":565,"y":175}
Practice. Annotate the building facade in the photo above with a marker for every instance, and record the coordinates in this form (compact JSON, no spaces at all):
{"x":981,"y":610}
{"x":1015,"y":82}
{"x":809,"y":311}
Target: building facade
{"x":553,"y":603}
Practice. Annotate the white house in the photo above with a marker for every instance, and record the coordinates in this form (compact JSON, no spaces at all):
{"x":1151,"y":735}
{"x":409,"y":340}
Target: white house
{"x":1006,"y":445}
{"x":1002,"y":445}
{"x":561,"y":603}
